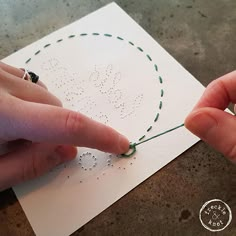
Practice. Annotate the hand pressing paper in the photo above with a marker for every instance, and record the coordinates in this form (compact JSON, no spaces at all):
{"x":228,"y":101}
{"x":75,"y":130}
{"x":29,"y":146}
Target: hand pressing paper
{"x":107,"y":67}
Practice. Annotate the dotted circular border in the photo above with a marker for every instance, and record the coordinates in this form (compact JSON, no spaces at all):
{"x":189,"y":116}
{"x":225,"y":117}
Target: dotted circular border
{"x":149,"y":58}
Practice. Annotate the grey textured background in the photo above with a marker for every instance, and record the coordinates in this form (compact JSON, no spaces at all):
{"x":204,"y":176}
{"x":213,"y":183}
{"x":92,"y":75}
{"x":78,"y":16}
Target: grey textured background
{"x":201,"y":35}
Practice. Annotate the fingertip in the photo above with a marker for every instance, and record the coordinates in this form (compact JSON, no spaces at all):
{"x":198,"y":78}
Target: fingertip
{"x":189,"y":122}
{"x":123,"y":144}
{"x":200,"y":122}
{"x":66,"y":152}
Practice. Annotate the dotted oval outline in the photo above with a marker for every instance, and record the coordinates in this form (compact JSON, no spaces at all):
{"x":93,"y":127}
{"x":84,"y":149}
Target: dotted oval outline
{"x":149,"y":58}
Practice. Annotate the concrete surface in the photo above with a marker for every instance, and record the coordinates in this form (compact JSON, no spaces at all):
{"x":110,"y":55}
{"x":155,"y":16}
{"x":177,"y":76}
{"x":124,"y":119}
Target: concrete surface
{"x":201,"y":35}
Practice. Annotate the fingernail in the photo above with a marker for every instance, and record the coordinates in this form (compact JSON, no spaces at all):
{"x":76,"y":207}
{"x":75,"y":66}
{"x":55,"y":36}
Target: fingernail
{"x":200,"y":123}
{"x":66,"y":153}
{"x":123,"y":144}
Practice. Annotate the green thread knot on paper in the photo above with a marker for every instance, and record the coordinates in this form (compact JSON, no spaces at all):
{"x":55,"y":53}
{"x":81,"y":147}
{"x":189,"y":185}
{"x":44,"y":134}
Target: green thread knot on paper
{"x":132,"y":150}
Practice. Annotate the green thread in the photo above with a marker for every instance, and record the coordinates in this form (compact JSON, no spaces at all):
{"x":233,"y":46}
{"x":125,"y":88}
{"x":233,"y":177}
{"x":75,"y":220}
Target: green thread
{"x":37,"y":52}
{"x":160,"y":79}
{"x":108,"y":35}
{"x":132,"y":146}
{"x":132,"y":149}
{"x":150,"y":59}
{"x":47,"y":45}
{"x":140,"y":49}
{"x":119,"y":38}
{"x":142,"y":137}
{"x":28,"y":61}
{"x":160,"y":134}
{"x":71,"y":36}
{"x":156,"y":118}
{"x":162,"y":92}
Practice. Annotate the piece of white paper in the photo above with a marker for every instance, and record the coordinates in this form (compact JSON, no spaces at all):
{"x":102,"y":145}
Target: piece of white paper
{"x":108,"y":67}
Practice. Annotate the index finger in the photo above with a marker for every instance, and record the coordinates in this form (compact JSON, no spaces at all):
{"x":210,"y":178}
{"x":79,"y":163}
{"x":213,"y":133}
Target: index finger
{"x":46,"y":123}
{"x":219,"y":93}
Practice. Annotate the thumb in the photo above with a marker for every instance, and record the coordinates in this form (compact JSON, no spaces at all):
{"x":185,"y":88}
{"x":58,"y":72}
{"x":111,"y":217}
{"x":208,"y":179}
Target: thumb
{"x":30,"y":161}
{"x":216,"y":127}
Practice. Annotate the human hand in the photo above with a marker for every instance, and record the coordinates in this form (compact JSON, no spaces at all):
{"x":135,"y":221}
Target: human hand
{"x":39,"y":133}
{"x":210,"y":122}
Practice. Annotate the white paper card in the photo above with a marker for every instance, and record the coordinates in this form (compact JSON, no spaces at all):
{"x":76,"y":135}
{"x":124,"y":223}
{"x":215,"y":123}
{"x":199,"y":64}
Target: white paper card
{"x":107,"y":67}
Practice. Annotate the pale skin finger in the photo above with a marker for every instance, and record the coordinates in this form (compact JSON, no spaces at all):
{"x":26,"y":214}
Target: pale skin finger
{"x":31,"y":161}
{"x":26,"y":90}
{"x":17,"y":72}
{"x":46,"y":123}
{"x":24,"y":116}
{"x":208,"y":119}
